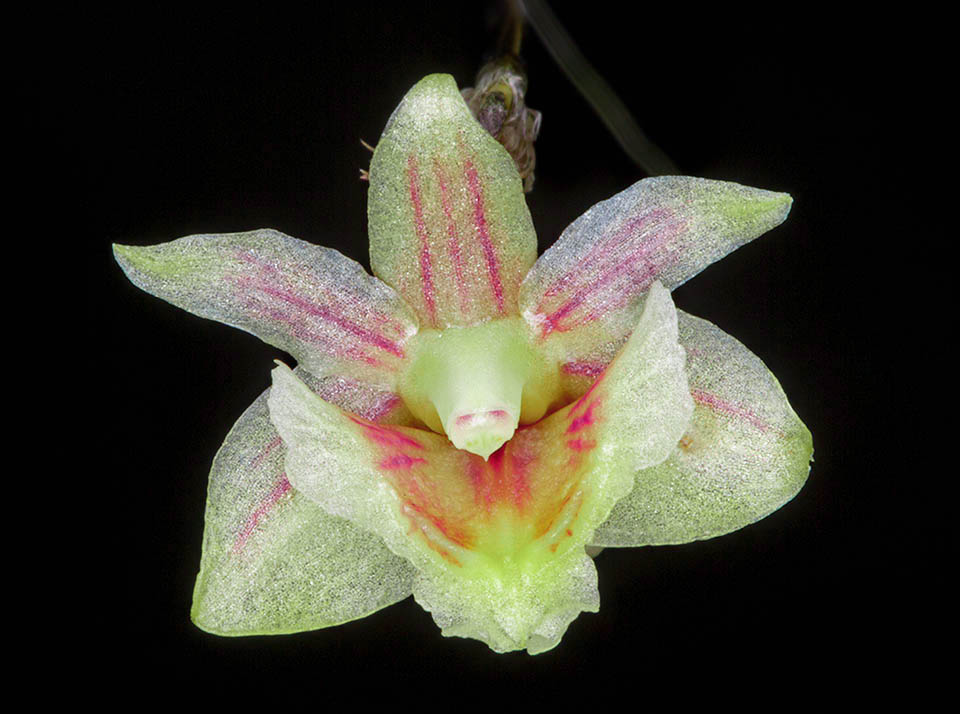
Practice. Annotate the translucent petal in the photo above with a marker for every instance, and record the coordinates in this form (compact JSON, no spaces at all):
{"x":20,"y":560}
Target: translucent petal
{"x":745,"y":454}
{"x":313,"y":302}
{"x":275,"y":562}
{"x":449,"y":227}
{"x":499,"y":544}
{"x":580,"y":298}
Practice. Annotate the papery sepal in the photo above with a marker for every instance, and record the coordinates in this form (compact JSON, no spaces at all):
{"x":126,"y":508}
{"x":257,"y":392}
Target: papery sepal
{"x":313,"y":302}
{"x":449,"y":227}
{"x":273,"y":562}
{"x":745,"y":454}
{"x":580,"y":299}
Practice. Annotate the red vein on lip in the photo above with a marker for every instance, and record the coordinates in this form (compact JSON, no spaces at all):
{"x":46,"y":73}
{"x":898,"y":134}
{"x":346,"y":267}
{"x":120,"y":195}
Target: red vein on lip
{"x":504,"y":477}
{"x":384,"y":435}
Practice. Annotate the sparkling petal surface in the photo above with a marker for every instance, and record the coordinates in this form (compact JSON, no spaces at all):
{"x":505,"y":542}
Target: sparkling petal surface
{"x":449,"y":227}
{"x":580,"y":299}
{"x":275,"y":562}
{"x":745,"y":454}
{"x":313,"y":302}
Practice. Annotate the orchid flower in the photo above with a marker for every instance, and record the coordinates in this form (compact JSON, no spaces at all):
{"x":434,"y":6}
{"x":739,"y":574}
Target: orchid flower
{"x":465,"y":424}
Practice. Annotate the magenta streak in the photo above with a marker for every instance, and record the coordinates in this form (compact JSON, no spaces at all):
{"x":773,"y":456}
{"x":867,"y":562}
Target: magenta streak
{"x":587,"y":369}
{"x":499,"y":479}
{"x":519,"y":463}
{"x":584,"y":420}
{"x":263,"y":454}
{"x":298,"y":330}
{"x":582,"y":401}
{"x":581,"y":445}
{"x":283,"y":485}
{"x":426,"y":270}
{"x":373,"y":406}
{"x":479,"y":218}
{"x":728,"y":408}
{"x":481,"y":487}
{"x":638,"y":282}
{"x":626,"y":233}
{"x":453,"y":241}
{"x":382,"y":407}
{"x":381,"y":319}
{"x":384,"y":435}
{"x":325,"y":313}
{"x":400,"y":462}
{"x":495,"y":467}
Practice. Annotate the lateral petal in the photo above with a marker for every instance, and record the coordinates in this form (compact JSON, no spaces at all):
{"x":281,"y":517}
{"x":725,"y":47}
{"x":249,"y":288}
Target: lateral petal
{"x":745,"y":454}
{"x":580,"y":298}
{"x":313,"y":302}
{"x":275,"y":562}
{"x":449,"y":227}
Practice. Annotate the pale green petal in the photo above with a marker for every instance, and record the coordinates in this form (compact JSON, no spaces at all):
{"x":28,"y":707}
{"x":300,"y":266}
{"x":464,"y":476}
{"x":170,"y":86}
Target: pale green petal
{"x":449,"y":227}
{"x":581,"y":297}
{"x":275,"y":562}
{"x":745,"y":454}
{"x":313,"y":302}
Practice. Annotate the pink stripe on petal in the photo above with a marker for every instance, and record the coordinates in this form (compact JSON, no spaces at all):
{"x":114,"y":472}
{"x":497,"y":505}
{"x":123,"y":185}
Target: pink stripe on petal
{"x":520,"y":461}
{"x":603,"y":249}
{"x":327,"y":296}
{"x":426,"y":268}
{"x":266,"y":451}
{"x":265,"y":506}
{"x":620,"y":277}
{"x":732,"y":409}
{"x":585,"y":369}
{"x":383,"y":406}
{"x":584,"y":420}
{"x":483,"y":233}
{"x":305,"y":334}
{"x":453,"y":240}
{"x":316,"y":310}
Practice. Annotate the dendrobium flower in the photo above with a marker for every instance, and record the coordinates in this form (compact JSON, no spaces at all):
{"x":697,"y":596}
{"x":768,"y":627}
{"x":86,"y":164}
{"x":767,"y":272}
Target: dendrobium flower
{"x":463,"y":425}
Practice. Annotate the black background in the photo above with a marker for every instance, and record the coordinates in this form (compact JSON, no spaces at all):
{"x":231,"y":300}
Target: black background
{"x":174,"y":122}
